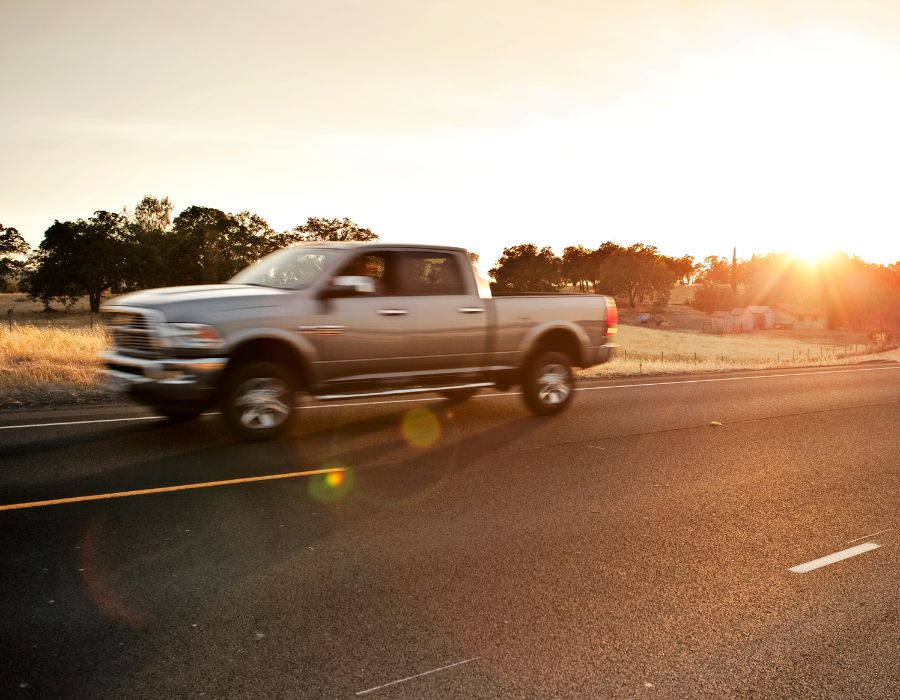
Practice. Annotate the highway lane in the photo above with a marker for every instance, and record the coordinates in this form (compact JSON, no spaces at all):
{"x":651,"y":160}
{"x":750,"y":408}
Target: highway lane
{"x":625,"y":549}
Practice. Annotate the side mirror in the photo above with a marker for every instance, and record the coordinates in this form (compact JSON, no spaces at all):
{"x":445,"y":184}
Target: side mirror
{"x":349,"y":285}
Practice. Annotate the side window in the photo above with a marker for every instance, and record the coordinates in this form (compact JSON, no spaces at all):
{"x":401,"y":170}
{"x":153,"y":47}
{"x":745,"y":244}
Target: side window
{"x":427,"y":273}
{"x":375,"y":265}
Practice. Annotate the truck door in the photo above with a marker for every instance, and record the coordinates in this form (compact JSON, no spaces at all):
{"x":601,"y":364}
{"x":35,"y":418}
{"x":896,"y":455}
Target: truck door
{"x":451,"y":316}
{"x":364,"y":338}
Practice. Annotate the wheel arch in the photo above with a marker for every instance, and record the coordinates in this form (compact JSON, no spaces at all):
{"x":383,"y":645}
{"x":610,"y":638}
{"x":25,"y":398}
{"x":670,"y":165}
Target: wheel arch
{"x":569,"y":339}
{"x":272,"y":348}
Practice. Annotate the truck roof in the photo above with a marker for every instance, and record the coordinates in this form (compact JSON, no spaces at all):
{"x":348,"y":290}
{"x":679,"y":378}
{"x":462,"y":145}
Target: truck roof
{"x":378,"y":244}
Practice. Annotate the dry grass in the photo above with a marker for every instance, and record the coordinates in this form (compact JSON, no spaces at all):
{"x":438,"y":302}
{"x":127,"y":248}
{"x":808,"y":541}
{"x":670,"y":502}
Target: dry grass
{"x":46,"y":365}
{"x":682,"y":293}
{"x":25,"y":311}
{"x":655,"y":351}
{"x":42,"y":364}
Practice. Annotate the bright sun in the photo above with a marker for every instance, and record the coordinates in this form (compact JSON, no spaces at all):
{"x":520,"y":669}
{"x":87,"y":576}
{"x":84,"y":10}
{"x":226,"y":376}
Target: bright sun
{"x":811,"y":250}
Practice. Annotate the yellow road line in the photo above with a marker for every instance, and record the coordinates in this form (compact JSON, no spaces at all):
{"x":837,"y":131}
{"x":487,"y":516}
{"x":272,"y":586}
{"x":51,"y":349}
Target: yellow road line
{"x":166,"y":489}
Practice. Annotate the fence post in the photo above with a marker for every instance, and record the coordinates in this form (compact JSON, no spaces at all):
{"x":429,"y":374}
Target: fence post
{"x":9,"y":315}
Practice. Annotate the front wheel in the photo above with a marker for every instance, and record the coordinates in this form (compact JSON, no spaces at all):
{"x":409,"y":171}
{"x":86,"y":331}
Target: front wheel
{"x":548,"y":384}
{"x":258,"y":401}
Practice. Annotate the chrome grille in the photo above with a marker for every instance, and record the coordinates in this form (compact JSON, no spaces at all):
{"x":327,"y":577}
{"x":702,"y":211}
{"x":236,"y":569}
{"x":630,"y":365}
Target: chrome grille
{"x":132,"y":330}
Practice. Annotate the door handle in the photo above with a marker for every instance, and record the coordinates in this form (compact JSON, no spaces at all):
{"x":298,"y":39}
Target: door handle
{"x":471,"y":310}
{"x":392,"y":312}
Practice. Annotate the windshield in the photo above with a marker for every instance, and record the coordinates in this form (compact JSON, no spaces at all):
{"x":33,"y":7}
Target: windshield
{"x":291,"y":268}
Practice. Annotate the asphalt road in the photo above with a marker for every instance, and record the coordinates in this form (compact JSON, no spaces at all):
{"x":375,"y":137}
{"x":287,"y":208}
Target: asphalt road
{"x":627,"y":548}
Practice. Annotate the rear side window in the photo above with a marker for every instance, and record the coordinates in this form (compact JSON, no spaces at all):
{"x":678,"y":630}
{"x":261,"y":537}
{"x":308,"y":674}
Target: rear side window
{"x":427,"y":273}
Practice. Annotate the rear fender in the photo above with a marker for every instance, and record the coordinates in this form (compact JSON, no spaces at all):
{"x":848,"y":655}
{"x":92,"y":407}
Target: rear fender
{"x":564,"y":336}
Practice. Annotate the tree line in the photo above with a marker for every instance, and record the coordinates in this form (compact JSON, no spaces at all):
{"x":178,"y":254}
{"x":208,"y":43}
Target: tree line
{"x":123,"y":251}
{"x":147,"y":247}
{"x":639,"y":272}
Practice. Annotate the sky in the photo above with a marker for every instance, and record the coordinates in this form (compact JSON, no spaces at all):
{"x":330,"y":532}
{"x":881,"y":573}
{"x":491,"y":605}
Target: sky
{"x":692,"y":126}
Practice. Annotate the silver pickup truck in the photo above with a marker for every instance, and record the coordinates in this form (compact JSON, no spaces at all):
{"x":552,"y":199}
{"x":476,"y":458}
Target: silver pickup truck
{"x":336,"y":321}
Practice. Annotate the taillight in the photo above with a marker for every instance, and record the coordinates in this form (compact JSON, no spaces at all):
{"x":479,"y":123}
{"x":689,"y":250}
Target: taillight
{"x":612,"y":316}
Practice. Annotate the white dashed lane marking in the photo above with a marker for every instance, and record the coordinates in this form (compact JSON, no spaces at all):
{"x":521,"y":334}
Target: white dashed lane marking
{"x":418,"y":675}
{"x":834,"y":558}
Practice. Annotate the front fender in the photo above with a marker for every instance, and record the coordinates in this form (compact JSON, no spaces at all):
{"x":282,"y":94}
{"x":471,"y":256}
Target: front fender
{"x":300,"y":346}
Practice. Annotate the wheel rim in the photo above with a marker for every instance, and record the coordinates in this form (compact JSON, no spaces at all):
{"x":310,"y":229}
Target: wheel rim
{"x":262,"y":402}
{"x":554,"y":384}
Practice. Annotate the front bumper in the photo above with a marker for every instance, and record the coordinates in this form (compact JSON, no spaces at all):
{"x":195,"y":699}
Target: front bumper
{"x":164,"y":380}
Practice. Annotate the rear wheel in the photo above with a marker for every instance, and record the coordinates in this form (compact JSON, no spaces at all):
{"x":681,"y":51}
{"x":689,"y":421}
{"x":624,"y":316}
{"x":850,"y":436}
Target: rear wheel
{"x":258,"y":400}
{"x":548,"y":383}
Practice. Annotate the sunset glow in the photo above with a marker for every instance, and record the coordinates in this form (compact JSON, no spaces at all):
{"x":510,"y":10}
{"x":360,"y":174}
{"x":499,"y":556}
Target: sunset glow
{"x":766,"y":128}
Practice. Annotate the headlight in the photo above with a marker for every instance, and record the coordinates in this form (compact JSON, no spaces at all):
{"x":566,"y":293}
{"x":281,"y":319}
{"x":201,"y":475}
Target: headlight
{"x":191,"y":335}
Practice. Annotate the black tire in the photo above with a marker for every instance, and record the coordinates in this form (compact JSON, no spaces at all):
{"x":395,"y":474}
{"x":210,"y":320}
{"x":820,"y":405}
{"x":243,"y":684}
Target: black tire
{"x":258,"y":400}
{"x":458,"y":395}
{"x":180,"y":414}
{"x":548,"y":384}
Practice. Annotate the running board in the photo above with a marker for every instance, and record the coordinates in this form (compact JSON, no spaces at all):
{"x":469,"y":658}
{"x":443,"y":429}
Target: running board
{"x":403,"y":392}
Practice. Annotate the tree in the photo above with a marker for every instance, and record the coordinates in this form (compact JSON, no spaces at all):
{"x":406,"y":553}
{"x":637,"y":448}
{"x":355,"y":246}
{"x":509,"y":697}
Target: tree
{"x":714,"y":269}
{"x":153,"y":214}
{"x":683,"y":268}
{"x":734,"y":270}
{"x":210,"y":246}
{"x":638,"y":272}
{"x":332,"y":230}
{"x":524,"y":268}
{"x":597,"y":265}
{"x":150,"y":243}
{"x":576,"y":267}
{"x":13,"y":253}
{"x":79,"y":257}
{"x":711,"y":297}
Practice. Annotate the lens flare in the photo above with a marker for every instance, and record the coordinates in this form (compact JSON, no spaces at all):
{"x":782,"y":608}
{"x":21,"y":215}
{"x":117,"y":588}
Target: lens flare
{"x":330,"y":487}
{"x":420,"y":427}
{"x":98,"y":579}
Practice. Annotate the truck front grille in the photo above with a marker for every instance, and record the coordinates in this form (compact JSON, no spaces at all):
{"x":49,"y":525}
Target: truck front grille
{"x":132,"y":331}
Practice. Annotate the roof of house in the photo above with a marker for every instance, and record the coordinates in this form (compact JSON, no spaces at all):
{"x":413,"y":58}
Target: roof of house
{"x":759,"y":309}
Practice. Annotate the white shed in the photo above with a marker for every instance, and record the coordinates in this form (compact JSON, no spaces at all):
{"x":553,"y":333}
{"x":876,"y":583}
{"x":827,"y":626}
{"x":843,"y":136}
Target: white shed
{"x":750,"y":318}
{"x":763,"y":317}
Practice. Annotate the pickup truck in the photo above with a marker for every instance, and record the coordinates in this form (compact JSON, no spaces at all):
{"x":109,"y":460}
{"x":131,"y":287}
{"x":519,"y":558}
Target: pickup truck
{"x":346,"y":320}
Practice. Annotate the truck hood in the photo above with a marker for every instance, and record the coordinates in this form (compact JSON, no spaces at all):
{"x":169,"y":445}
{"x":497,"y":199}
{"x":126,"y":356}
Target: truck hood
{"x":198,"y":300}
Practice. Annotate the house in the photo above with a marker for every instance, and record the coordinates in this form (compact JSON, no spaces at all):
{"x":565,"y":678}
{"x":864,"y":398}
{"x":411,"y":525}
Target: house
{"x":748,"y":318}
{"x":720,"y":322}
{"x":763,"y":317}
{"x":800,"y":317}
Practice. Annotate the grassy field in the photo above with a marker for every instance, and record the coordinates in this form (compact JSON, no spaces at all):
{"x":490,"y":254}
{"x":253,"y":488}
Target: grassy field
{"x":25,"y":311}
{"x":44,"y":363}
{"x":645,"y":350}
